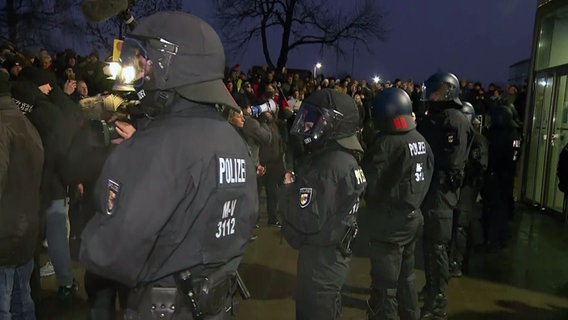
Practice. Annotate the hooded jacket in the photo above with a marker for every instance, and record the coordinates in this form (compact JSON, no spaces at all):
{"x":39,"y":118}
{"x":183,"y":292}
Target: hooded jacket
{"x":21,"y":161}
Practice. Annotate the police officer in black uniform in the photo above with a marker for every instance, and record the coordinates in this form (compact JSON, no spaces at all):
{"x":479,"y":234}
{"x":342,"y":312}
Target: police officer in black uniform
{"x":504,"y":141}
{"x":399,"y":167}
{"x":466,"y":210}
{"x":174,"y":213}
{"x":320,"y":204}
{"x":448,"y":133}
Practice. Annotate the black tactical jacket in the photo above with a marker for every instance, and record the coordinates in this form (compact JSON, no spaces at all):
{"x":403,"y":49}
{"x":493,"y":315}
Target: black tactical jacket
{"x":399,"y":170}
{"x":181,"y":193}
{"x":323,"y":201}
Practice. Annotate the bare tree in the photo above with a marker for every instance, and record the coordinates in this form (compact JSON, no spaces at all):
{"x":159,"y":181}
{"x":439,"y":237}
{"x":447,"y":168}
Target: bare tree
{"x":300,"y":22}
{"x":104,"y":32}
{"x":29,"y":23}
{"x":26,"y":21}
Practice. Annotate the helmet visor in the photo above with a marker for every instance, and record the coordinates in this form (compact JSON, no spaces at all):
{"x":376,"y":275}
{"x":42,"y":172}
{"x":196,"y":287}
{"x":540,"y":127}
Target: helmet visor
{"x":134,"y":67}
{"x":314,"y":123}
{"x":433,"y":91}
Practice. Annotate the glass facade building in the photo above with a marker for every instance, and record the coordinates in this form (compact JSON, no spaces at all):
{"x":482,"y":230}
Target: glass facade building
{"x":546,"y":122}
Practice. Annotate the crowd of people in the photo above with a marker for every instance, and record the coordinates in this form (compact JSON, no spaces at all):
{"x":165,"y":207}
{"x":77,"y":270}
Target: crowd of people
{"x":426,"y":139}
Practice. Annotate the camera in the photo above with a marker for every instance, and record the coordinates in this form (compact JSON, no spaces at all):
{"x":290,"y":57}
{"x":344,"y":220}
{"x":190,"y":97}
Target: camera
{"x":100,"y":109}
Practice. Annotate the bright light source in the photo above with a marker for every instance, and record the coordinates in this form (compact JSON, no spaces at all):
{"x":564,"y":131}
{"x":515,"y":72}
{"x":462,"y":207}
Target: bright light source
{"x":316,"y":67}
{"x":128,"y":74}
{"x":114,"y":68}
{"x":376,"y":79}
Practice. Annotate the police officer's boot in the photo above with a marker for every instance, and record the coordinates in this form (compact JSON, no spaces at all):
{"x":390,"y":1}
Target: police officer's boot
{"x":455,"y":269}
{"x":438,"y":309}
{"x":382,"y":304}
{"x":102,"y":307}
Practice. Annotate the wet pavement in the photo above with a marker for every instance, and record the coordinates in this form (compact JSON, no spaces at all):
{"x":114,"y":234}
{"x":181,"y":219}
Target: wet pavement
{"x":526,"y":280}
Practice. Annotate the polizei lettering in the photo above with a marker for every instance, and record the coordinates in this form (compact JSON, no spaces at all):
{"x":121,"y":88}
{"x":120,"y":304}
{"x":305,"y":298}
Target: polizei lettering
{"x":232,"y":170}
{"x":417,"y":148}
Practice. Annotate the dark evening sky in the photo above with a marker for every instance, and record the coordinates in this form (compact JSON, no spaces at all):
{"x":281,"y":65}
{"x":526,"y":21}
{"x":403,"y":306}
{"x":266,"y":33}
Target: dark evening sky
{"x":476,"y":39}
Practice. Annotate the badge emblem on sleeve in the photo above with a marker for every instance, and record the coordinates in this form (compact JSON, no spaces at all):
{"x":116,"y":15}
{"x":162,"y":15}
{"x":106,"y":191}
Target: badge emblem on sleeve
{"x":113,"y":189}
{"x":305,"y":197}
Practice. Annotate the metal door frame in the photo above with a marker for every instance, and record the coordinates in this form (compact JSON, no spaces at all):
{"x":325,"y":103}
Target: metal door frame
{"x":555,"y":73}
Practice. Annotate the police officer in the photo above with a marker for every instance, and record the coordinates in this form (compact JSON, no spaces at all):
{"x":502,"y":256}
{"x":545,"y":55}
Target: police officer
{"x":320,"y":203}
{"x":504,"y":141}
{"x":174,"y":213}
{"x":466,"y":209}
{"x":447,"y":131}
{"x":399,"y":169}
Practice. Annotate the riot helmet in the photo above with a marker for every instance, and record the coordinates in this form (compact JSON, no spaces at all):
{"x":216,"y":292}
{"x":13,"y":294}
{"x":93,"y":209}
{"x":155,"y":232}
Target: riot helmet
{"x":177,"y":51}
{"x":468,"y":110}
{"x":392,"y":111}
{"x":441,"y":87}
{"x":328,"y":115}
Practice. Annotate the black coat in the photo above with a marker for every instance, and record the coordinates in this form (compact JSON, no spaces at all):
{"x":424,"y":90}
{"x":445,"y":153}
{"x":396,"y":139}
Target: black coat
{"x":21,"y":161}
{"x":57,"y":119}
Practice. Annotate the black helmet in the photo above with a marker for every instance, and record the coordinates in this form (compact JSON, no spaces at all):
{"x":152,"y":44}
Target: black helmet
{"x":468,"y":110}
{"x":328,"y":115}
{"x":392,"y":111}
{"x":441,"y":86}
{"x":181,"y":52}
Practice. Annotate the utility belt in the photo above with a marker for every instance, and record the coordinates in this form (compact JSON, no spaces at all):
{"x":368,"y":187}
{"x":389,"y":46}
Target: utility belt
{"x":194,"y":297}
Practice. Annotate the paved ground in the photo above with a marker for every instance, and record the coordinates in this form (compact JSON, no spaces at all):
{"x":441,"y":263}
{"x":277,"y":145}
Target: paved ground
{"x":527,"y":280}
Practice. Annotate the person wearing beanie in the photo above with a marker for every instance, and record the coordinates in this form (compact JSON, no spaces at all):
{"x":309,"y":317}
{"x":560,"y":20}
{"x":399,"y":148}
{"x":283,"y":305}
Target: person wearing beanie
{"x":21,"y":161}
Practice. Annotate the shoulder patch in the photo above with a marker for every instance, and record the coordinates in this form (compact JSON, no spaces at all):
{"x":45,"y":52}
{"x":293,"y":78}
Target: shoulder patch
{"x":452,"y":137}
{"x":305,"y":197}
{"x":113,"y":190}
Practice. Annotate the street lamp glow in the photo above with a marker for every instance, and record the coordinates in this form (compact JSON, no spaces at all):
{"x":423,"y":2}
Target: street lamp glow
{"x":376,"y":79}
{"x":316,"y":67}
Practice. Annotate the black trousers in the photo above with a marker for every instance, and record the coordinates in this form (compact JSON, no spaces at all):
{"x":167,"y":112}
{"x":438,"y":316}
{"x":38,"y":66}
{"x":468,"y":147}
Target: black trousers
{"x":101,"y":296}
{"x":461,"y":224}
{"x":393,"y":289}
{"x":321,"y":274}
{"x":271,"y":180}
{"x":497,"y":207}
{"x":438,"y":210}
